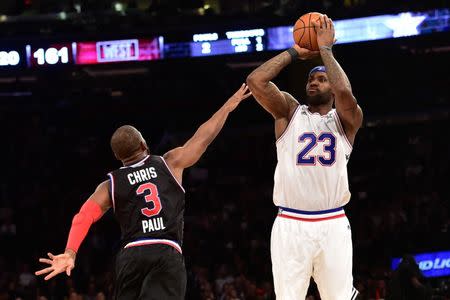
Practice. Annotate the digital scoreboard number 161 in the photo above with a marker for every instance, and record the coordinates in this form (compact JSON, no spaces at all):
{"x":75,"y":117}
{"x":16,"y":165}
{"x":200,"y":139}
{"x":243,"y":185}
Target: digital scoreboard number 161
{"x":52,"y":55}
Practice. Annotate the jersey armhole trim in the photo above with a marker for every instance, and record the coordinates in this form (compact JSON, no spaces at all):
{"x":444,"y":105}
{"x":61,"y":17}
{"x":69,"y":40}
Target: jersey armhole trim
{"x":111,"y":177}
{"x":289,"y":124}
{"x":170,"y":171}
{"x":341,"y":129}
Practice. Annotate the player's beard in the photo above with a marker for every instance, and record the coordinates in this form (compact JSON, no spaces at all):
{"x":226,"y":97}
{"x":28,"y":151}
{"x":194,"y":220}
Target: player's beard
{"x":319,"y":98}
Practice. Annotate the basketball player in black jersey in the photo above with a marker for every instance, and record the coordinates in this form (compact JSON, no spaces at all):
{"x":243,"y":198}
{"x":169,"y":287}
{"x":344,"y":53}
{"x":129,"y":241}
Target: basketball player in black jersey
{"x":148,"y":202}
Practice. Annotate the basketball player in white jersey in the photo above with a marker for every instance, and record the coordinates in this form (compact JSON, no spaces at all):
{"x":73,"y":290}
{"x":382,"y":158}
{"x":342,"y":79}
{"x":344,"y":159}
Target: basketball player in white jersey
{"x":311,"y":235}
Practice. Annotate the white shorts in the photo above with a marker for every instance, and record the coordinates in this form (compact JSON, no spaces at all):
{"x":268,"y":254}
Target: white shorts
{"x":317,"y":244}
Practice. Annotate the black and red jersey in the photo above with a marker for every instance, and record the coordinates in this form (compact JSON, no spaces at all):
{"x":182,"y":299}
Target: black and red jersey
{"x":148,"y":203}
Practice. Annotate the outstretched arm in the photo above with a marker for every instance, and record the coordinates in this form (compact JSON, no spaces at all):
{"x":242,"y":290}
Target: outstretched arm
{"x":92,"y":210}
{"x":182,"y":157}
{"x":346,"y":105}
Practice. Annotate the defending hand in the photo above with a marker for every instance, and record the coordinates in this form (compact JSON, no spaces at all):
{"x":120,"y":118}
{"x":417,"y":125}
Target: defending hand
{"x":241,"y":94}
{"x":60,"y":263}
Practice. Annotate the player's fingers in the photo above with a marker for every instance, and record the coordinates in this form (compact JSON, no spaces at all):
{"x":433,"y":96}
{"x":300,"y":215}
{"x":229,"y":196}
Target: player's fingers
{"x":321,"y":21}
{"x":326,"y":22}
{"x":43,"y":271}
{"x":50,"y":255}
{"x":51,"y":275}
{"x":331,"y":24}
{"x":316,"y":23}
{"x":69,"y":270}
{"x":45,"y":260}
{"x":246,"y":95}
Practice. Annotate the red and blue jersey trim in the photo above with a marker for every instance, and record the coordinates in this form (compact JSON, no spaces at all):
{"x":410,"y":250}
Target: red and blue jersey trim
{"x":311,"y":216}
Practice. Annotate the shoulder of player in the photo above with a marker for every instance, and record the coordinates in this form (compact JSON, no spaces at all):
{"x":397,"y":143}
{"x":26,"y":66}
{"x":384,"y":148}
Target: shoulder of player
{"x":292,"y":103}
{"x":104,"y":186}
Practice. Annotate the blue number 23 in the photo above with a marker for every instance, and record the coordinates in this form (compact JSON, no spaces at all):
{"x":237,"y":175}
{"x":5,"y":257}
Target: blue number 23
{"x":329,"y":146}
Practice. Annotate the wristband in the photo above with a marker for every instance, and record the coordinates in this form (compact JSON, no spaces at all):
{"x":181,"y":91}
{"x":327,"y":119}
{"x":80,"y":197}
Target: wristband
{"x":293,"y":53}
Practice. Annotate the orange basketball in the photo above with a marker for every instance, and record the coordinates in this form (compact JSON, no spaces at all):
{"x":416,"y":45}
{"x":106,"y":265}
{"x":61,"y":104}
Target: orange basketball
{"x":304,"y":32}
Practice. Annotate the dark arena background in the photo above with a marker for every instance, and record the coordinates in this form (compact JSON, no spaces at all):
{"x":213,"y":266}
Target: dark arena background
{"x":72,"y":71}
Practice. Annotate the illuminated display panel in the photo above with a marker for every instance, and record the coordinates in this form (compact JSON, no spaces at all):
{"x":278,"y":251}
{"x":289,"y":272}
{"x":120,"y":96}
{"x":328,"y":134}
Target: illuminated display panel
{"x":245,"y":40}
{"x":11,"y":57}
{"x":230,"y":42}
{"x":100,"y":52}
{"x":49,"y":54}
{"x":433,"y":264}
{"x":372,"y":28}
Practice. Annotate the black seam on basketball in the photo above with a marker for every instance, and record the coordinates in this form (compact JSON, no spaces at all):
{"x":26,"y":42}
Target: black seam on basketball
{"x":309,"y":32}
{"x":298,"y":28}
{"x":304,"y":29}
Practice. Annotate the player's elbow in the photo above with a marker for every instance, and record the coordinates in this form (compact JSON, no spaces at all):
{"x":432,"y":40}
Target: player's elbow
{"x":345,"y":96}
{"x":251,"y":80}
{"x":255,"y":80}
{"x":343,"y":92}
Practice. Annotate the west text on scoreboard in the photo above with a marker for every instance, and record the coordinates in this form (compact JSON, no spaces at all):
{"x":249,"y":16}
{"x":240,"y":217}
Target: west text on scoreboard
{"x":118,"y":51}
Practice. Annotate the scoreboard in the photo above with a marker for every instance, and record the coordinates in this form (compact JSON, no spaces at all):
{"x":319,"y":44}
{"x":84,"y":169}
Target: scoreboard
{"x":41,"y":54}
{"x":241,"y":41}
{"x":117,"y":51}
{"x":9,"y":58}
{"x":49,"y":54}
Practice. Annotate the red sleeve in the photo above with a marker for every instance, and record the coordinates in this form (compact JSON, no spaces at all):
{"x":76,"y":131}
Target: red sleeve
{"x":89,"y":213}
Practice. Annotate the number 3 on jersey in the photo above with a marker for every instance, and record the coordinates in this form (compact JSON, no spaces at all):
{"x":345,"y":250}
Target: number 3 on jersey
{"x":329,"y":148}
{"x":151,"y":196}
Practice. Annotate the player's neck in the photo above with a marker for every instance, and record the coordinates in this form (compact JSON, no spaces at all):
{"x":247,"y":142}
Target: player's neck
{"x":322,"y":109}
{"x":135,"y":158}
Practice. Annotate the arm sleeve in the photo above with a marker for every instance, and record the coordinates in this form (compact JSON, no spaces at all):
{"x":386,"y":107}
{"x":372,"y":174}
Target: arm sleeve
{"x":89,"y":213}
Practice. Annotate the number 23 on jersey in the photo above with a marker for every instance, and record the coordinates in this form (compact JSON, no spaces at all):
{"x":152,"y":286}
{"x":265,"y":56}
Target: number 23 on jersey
{"x":309,"y":141}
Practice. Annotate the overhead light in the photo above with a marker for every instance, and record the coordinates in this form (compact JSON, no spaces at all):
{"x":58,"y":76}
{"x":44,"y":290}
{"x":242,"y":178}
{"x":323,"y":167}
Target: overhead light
{"x":118,"y":6}
{"x":62,"y":15}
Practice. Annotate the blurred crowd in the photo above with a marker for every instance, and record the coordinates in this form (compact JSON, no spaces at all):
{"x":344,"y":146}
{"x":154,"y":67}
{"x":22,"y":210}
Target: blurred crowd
{"x":58,"y":152}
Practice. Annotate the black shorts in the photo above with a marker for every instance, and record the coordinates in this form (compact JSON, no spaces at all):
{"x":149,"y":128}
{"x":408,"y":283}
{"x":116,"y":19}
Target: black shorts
{"x":150,"y":272}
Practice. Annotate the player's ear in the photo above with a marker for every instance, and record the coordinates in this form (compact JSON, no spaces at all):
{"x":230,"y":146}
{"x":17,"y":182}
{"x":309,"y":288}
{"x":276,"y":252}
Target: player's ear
{"x":115,"y":155}
{"x":144,"y":146}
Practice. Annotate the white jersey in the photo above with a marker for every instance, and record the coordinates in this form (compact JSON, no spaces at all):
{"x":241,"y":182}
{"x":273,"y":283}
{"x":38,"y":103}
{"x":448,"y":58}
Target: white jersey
{"x":311,"y":172}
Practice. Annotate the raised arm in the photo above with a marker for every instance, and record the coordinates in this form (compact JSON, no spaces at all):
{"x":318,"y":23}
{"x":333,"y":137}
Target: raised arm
{"x":278,"y":104}
{"x":183,"y":157}
{"x":265,"y":91}
{"x":92,"y":210}
{"x":347,"y":107}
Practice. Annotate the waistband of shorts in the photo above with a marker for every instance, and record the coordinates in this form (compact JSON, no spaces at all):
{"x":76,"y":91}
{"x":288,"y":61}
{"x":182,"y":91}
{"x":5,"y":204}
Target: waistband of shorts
{"x":145,"y":242}
{"x":311,"y":216}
